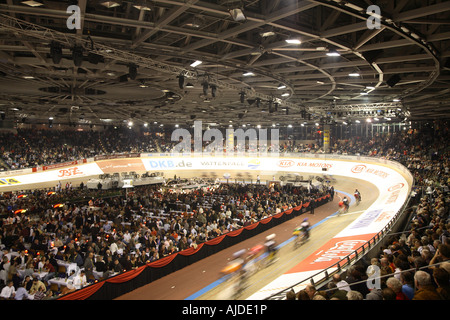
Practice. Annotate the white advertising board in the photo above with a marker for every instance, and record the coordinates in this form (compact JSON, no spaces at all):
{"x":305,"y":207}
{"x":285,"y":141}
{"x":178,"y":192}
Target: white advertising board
{"x":78,"y":171}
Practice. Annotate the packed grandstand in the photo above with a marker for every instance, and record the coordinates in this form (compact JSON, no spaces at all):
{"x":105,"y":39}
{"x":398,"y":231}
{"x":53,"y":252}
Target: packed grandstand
{"x":105,"y":232}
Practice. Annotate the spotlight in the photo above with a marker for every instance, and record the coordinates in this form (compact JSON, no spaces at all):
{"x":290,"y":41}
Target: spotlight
{"x":205,"y":88}
{"x":132,"y":71}
{"x":196,"y":63}
{"x":33,"y":3}
{"x":180,"y":81}
{"x":110,"y":4}
{"x":142,"y":5}
{"x":213,"y":91}
{"x":237,"y":14}
{"x":56,"y":52}
{"x":242,"y":96}
{"x":77,"y":55}
{"x":293,"y":41}
{"x":333,"y":53}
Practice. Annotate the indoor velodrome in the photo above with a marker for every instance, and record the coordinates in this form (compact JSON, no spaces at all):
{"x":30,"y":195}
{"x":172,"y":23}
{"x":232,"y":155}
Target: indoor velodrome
{"x":237,"y":152}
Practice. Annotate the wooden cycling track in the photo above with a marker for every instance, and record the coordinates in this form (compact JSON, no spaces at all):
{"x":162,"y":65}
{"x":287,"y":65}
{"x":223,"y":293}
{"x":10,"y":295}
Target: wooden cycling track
{"x":200,"y":280}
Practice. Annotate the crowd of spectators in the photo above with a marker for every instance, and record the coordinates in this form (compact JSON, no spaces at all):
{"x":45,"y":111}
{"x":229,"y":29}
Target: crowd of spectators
{"x":103,"y":231}
{"x":128,"y":232}
{"x":36,"y":147}
{"x":414,"y":264}
{"x":29,"y":148}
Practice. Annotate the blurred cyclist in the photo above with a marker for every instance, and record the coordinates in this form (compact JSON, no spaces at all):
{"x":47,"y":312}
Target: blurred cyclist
{"x":357,"y":196}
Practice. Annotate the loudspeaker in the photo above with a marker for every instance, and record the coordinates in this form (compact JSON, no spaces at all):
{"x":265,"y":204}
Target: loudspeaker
{"x":371,"y":56}
{"x":392,"y":81}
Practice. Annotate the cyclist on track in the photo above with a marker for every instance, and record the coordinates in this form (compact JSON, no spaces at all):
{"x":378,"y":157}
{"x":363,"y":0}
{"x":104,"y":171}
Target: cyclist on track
{"x":270,"y":245}
{"x":305,"y":226}
{"x":357,"y":196}
{"x":346,"y":203}
{"x":302,"y":232}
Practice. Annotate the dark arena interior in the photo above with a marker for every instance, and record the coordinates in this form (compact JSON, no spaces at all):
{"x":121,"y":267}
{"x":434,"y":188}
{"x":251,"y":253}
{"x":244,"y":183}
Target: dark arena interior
{"x":225,"y":155}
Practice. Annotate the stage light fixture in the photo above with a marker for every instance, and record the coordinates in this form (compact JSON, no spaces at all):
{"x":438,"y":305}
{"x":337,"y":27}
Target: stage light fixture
{"x":293,"y":41}
{"x":110,"y":4}
{"x":56,"y":52}
{"x":77,"y":56}
{"x":132,"y":71}
{"x":205,"y":86}
{"x":142,"y":5}
{"x":196,"y":63}
{"x":180,"y":81}
{"x":333,"y":53}
{"x":213,"y":91}
{"x":237,"y":14}
{"x":33,"y":3}
{"x":242,"y":96}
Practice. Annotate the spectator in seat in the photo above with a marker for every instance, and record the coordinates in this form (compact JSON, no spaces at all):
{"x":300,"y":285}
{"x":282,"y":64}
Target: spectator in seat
{"x":396,"y":286}
{"x":425,"y":289}
{"x":442,"y":278}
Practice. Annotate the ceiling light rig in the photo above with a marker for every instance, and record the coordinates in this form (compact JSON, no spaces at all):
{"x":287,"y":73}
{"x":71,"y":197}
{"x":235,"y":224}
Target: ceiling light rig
{"x":110,"y":4}
{"x":181,"y":81}
{"x":293,"y":41}
{"x":205,"y":86}
{"x":132,"y":71}
{"x":33,"y":3}
{"x":213,"y":90}
{"x":242,"y":96}
{"x":333,"y":53}
{"x":196,"y":63}
{"x":142,"y":5}
{"x":126,"y":58}
{"x":77,"y":55}
{"x":237,"y":14}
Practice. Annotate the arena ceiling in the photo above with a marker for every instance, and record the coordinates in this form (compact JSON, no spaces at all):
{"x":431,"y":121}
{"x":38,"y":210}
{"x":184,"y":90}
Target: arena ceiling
{"x":132,"y":60}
